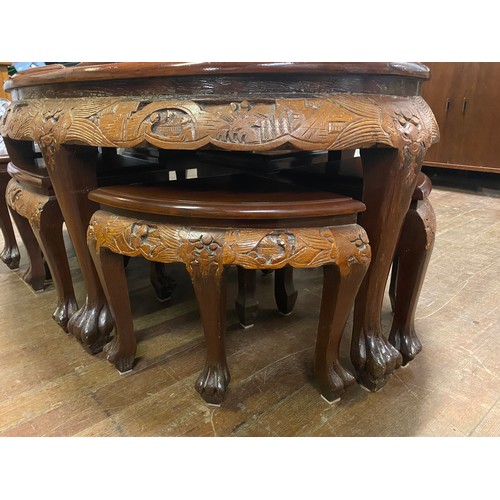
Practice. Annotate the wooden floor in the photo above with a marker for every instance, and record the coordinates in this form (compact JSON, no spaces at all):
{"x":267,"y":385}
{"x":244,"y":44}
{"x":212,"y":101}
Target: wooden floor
{"x":51,"y":387}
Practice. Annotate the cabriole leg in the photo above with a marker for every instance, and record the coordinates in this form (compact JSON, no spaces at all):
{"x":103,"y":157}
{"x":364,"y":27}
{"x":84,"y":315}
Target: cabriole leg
{"x":110,"y":267}
{"x":72,"y":171}
{"x":339,"y":292}
{"x":413,"y":255}
{"x":35,"y":274}
{"x":209,"y":282}
{"x":389,"y":178}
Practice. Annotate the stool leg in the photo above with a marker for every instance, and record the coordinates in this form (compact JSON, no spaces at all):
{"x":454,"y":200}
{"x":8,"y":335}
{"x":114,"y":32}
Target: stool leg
{"x":163,"y":284}
{"x":339,"y":292}
{"x":413,"y":255}
{"x":209,"y":284}
{"x":111,"y":270}
{"x":10,"y":254}
{"x":50,"y":238}
{"x":246,"y":303}
{"x":35,"y":274}
{"x":284,"y":291}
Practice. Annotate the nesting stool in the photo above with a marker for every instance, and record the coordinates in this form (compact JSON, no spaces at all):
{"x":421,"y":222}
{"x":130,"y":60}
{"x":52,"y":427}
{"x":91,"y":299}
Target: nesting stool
{"x":211,"y":223}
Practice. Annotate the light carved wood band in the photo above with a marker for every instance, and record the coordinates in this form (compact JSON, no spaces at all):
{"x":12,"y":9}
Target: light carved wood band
{"x":26,"y":203}
{"x":251,"y":248}
{"x":338,"y":121}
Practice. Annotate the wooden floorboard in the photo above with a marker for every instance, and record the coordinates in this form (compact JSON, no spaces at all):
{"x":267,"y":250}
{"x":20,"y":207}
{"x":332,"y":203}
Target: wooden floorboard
{"x":51,"y":387}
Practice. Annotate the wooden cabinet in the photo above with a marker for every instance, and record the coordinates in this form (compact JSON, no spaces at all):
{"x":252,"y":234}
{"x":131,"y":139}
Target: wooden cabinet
{"x":4,"y":76}
{"x":465,"y":99}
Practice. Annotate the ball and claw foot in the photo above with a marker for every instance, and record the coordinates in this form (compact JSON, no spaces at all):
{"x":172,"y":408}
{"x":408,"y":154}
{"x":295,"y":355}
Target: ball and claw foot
{"x":375,"y":359}
{"x":212,"y":383}
{"x":335,"y":382}
{"x":405,"y":340}
{"x":64,"y":311}
{"x":92,"y":326}
{"x":10,"y":257}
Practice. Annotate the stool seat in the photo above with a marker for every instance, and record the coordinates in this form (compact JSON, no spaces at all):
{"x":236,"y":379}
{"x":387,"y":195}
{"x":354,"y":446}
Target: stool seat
{"x":237,"y":196}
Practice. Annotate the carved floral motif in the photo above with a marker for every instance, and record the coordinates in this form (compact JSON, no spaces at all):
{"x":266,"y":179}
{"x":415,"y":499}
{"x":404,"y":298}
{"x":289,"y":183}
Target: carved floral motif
{"x":250,"y":248}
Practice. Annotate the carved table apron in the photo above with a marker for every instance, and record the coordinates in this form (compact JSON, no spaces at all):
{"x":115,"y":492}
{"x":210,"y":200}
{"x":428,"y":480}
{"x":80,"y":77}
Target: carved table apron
{"x":375,"y":107}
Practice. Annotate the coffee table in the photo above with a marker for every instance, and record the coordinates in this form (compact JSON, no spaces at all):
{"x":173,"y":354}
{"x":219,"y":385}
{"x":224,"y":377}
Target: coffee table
{"x":235,"y":107}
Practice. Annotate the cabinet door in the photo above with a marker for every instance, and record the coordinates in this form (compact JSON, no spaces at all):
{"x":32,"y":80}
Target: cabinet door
{"x":443,"y":93}
{"x":465,"y":98}
{"x":480,"y":115}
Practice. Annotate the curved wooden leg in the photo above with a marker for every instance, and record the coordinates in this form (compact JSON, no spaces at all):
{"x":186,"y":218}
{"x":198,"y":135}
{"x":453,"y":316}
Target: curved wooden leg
{"x":50,"y":238}
{"x":72,"y":170}
{"x":10,"y":255}
{"x":339,"y":291}
{"x":413,"y":255}
{"x":389,"y":178}
{"x":163,"y":284}
{"x":246,"y":302}
{"x":35,"y":274}
{"x":284,"y":291}
{"x":209,"y":284}
{"x":110,"y":266}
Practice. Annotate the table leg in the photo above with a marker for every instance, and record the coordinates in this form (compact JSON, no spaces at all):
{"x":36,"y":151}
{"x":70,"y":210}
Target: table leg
{"x":72,"y":171}
{"x":389,"y":178}
{"x":410,"y":265}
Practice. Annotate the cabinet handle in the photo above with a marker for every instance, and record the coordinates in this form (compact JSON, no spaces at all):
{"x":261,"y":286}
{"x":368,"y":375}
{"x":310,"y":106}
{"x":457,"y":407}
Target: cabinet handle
{"x":447,"y":107}
{"x":464,"y":105}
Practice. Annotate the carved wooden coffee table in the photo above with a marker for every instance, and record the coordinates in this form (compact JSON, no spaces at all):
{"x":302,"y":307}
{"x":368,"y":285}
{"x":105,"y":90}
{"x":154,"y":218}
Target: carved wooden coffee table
{"x":375,"y":107}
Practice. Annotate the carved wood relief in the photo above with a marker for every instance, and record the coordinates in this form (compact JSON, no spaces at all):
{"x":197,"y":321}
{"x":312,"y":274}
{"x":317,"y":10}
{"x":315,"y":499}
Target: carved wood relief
{"x":251,"y":248}
{"x":338,"y":121}
{"x":26,"y":203}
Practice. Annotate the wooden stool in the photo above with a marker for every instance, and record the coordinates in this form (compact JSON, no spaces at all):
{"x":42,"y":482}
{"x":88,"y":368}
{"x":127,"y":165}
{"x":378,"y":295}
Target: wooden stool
{"x":39,"y":221}
{"x":209,"y":224}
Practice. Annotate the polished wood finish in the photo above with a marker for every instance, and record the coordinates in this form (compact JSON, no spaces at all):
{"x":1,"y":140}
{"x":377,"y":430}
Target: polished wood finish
{"x":115,"y":71}
{"x":237,"y":196}
{"x":462,"y":96}
{"x":263,"y":111}
{"x":222,"y":241}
